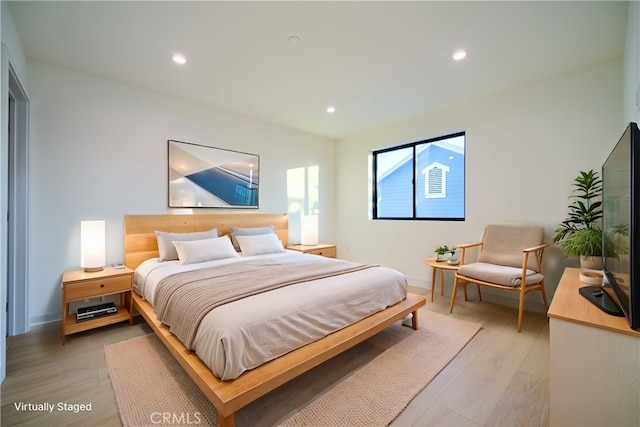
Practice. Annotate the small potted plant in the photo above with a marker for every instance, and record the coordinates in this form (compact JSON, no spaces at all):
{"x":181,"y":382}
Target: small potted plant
{"x":444,"y":253}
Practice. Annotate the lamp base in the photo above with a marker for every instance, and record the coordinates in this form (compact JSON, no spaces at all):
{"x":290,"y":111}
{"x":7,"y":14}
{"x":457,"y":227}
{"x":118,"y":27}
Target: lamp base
{"x":93,"y":269}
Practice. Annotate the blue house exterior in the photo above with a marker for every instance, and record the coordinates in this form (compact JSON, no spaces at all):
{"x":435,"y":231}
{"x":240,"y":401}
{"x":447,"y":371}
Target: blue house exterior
{"x":439,"y":184}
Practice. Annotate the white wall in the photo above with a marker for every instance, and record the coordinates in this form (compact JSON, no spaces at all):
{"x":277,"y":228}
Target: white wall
{"x":99,"y":151}
{"x":11,"y":39}
{"x":524,"y":147}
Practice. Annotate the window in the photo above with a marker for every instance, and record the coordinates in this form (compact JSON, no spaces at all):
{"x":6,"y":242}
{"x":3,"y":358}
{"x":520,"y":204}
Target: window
{"x":420,"y":180}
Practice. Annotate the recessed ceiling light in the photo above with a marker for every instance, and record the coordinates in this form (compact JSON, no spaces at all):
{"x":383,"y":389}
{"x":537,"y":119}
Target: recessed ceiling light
{"x":331,"y":109}
{"x":179,"y":58}
{"x":294,"y":39}
{"x":459,"y":54}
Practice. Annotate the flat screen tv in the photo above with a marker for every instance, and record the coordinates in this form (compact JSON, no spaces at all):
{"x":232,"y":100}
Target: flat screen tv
{"x":621,"y":230}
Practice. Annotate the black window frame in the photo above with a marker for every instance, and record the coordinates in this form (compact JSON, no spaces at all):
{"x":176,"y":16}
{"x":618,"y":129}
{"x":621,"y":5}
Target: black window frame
{"x":413,"y":145}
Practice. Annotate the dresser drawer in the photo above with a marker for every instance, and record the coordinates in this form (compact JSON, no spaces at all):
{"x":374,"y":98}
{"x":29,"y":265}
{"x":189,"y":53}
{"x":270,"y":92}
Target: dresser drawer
{"x":97,"y":287}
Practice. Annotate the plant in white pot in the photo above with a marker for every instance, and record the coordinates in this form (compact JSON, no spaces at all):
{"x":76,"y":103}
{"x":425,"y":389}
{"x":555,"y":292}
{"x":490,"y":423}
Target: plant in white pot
{"x":444,"y":253}
{"x":580,"y":234}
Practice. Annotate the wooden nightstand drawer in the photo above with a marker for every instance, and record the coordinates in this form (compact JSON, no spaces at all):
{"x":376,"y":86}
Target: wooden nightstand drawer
{"x":98,"y":287}
{"x":321,"y":249}
{"x":329,"y":252}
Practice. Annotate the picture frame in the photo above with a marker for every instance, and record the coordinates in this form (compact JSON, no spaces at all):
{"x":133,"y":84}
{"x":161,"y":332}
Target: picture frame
{"x":201,"y":176}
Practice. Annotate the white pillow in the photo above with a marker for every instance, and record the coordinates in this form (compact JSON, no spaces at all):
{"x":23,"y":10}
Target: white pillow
{"x":204,"y":250}
{"x":167,"y":250}
{"x":260,"y":244}
{"x":236,"y":231}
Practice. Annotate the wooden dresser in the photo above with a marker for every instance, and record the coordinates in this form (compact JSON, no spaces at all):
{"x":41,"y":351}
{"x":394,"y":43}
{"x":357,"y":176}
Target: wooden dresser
{"x":594,"y":361}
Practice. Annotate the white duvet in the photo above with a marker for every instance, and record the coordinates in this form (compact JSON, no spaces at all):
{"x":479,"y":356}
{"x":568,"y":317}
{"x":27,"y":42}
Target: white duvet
{"x":244,"y":334}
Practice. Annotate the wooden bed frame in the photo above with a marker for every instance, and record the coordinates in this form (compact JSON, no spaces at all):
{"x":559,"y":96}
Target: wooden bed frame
{"x":229,"y":396}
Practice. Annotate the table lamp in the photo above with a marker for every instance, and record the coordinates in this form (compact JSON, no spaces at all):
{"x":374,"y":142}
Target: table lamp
{"x":92,"y":245}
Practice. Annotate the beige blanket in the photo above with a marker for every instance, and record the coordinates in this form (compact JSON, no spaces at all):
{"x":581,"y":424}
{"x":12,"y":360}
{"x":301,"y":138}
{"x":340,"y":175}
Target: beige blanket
{"x":182,"y":300}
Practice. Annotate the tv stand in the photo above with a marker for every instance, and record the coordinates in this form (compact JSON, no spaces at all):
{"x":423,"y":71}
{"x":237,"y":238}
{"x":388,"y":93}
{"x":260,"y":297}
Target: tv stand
{"x":594,"y":363}
{"x":601,"y":299}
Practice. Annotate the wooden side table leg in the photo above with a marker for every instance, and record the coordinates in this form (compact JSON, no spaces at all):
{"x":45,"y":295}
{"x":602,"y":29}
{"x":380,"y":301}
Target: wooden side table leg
{"x":129,"y":303}
{"x":441,"y":282}
{"x":65,"y":310}
{"x":453,"y":294}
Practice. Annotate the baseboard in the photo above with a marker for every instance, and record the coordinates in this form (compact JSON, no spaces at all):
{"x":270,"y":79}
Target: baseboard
{"x":48,"y":318}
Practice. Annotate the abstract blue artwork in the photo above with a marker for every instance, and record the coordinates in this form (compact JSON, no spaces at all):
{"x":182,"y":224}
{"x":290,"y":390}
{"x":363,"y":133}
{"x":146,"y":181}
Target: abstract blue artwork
{"x":201,"y":176}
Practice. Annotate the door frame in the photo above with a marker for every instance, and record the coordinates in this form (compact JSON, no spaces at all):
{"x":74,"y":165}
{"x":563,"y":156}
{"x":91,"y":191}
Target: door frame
{"x":14,"y":200}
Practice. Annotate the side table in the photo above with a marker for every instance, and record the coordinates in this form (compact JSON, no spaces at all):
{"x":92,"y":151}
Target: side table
{"x":442,"y":266}
{"x":325,"y":250}
{"x":79,"y":285}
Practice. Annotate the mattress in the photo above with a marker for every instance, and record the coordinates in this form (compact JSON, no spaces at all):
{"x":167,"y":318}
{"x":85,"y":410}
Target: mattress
{"x":244,"y":334}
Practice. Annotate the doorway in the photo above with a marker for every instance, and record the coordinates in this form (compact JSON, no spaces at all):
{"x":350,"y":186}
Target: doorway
{"x":18,"y":213}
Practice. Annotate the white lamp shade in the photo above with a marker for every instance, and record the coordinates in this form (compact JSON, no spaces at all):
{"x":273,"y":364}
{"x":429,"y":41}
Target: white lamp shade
{"x":309,"y":230}
{"x":92,"y":245}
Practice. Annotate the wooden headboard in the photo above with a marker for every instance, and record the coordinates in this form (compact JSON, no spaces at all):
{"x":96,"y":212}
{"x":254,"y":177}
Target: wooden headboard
{"x":140,"y":239}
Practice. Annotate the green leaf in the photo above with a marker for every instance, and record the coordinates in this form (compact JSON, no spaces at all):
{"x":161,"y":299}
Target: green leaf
{"x":580,"y":233}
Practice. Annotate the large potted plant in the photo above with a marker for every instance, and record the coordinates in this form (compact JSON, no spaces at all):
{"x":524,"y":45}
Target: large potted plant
{"x":580,"y":234}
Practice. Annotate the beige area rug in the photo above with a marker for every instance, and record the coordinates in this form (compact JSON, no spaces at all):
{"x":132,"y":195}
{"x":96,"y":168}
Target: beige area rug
{"x":368,"y":385}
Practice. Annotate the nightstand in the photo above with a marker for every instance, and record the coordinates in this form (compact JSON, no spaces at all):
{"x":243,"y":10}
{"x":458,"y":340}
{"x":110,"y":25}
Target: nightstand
{"x":328,"y":251}
{"x":79,"y":285}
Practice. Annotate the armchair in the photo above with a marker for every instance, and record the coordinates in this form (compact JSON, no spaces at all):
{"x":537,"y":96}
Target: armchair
{"x":510,"y":258}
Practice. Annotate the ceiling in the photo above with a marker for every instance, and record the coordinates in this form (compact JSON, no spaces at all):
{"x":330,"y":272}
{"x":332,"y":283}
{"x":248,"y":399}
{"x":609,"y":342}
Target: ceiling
{"x":376,"y":62}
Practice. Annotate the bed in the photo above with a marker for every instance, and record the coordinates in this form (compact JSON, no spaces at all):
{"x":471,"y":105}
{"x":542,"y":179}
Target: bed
{"x":251,"y":381}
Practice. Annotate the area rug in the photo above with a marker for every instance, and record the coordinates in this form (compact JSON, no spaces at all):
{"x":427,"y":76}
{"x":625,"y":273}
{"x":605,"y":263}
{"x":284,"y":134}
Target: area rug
{"x":368,"y":385}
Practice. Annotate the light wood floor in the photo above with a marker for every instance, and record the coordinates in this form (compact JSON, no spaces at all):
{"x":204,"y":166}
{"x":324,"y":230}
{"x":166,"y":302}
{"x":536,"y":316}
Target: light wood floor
{"x":501,"y":378}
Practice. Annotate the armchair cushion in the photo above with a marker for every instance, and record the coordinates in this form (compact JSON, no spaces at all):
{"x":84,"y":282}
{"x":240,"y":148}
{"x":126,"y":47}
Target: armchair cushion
{"x":503,"y":245}
{"x":499,"y":274}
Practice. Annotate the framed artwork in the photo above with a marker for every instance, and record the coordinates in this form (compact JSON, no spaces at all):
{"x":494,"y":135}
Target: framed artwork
{"x":207,"y":177}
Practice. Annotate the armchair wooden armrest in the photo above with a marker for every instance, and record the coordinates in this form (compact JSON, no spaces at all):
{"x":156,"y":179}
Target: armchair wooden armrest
{"x":468,"y":245}
{"x":536,"y":248}
{"x":464,"y":247}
